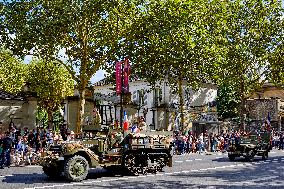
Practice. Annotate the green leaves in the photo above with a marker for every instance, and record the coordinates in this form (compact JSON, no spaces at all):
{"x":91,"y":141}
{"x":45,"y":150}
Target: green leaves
{"x":12,"y":72}
{"x":51,"y":81}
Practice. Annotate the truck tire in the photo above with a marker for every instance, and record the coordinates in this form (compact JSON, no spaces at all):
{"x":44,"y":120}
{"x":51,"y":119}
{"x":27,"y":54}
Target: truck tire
{"x":231,"y":157}
{"x":265,"y":155}
{"x":76,"y":168}
{"x":52,"y":171}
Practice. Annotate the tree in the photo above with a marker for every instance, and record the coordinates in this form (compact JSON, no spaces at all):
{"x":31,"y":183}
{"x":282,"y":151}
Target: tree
{"x":276,"y":64}
{"x":12,"y":72}
{"x":52,"y":83}
{"x":228,"y":101}
{"x":89,"y":32}
{"x":171,"y":41}
{"x":250,"y":34}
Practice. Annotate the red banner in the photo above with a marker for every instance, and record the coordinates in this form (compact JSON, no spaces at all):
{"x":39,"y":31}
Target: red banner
{"x":126,"y":75}
{"x":118,"y":77}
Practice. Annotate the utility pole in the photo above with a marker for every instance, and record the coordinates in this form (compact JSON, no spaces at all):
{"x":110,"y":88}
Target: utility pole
{"x":121,"y":98}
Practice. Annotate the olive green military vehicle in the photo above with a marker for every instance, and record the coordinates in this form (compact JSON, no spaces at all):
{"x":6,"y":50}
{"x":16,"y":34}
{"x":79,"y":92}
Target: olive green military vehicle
{"x":138,"y":153}
{"x":250,"y":146}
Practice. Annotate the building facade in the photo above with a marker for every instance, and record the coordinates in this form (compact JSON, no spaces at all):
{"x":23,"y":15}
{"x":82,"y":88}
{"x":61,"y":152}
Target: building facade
{"x":267,"y":103}
{"x":17,"y":110}
{"x":160,"y":105}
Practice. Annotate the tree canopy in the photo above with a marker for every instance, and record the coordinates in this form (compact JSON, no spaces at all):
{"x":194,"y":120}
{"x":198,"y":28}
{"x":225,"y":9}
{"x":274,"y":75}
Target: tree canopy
{"x":235,"y":43}
{"x":12,"y":72}
{"x":52,"y":83}
{"x":88,"y":32}
{"x":251,"y":33}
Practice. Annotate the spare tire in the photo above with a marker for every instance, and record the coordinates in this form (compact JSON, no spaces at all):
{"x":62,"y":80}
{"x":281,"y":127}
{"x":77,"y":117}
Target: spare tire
{"x":76,"y":168}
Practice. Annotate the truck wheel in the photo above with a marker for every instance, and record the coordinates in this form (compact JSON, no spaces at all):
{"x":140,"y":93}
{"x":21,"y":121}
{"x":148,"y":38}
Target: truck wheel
{"x":76,"y":168}
{"x":231,"y":157}
{"x":52,"y":171}
{"x":265,"y":155}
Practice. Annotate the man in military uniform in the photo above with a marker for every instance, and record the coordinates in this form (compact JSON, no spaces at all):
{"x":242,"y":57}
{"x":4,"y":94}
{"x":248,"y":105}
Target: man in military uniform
{"x":142,"y":125}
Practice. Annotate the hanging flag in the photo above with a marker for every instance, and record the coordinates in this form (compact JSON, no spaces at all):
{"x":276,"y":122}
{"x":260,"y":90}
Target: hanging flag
{"x":126,"y":73}
{"x":135,"y":129}
{"x":118,"y":78}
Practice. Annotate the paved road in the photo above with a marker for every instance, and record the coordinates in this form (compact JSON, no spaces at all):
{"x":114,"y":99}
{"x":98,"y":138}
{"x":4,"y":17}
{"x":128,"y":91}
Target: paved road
{"x":188,"y":171}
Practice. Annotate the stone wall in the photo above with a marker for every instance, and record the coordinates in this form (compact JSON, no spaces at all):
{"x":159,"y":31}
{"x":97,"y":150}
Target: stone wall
{"x":72,"y":105}
{"x":20,"y":112}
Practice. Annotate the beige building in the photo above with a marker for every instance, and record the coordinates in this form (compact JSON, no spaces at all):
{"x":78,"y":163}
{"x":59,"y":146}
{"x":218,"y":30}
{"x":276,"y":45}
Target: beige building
{"x":268,"y":100}
{"x":20,"y":110}
{"x":70,"y":110}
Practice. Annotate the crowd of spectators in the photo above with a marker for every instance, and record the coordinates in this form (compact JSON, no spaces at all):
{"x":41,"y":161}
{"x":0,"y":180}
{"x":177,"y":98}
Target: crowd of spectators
{"x":204,"y":142}
{"x":25,"y":147}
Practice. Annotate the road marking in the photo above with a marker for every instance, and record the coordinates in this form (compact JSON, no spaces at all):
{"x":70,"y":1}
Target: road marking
{"x":211,"y":168}
{"x":142,"y":176}
{"x":6,"y":176}
{"x":198,"y":159}
{"x":179,"y":161}
{"x":150,"y":175}
{"x":168,"y":173}
{"x":219,"y":167}
{"x":240,"y":165}
{"x":159,"y":174}
{"x":189,"y":160}
{"x":194,"y":170}
{"x":275,"y":159}
{"x":123,"y":178}
{"x":185,"y":171}
{"x":178,"y":172}
{"x":113,"y":179}
{"x":33,"y":166}
{"x":232,"y":165}
{"x":218,"y":157}
{"x":203,"y":169}
{"x":87,"y":182}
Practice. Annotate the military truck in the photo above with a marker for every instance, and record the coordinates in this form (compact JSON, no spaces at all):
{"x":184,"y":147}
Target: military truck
{"x":249,"y":146}
{"x":138,"y":153}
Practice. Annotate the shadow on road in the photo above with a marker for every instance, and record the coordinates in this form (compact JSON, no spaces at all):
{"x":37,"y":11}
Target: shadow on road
{"x":34,"y":178}
{"x":258,"y":176}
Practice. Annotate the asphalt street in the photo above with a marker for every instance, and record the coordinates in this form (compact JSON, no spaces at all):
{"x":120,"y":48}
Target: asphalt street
{"x":188,"y":171}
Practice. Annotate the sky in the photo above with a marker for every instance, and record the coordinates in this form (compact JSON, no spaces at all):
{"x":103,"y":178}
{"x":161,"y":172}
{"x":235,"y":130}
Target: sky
{"x":99,"y":75}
